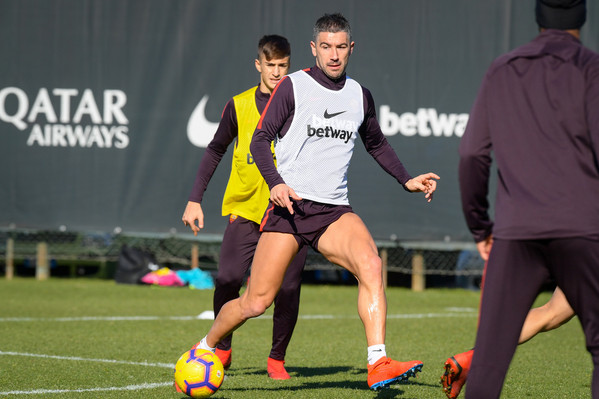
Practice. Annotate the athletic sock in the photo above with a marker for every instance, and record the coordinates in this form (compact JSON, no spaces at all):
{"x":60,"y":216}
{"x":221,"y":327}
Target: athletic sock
{"x":375,"y":352}
{"x":204,"y":345}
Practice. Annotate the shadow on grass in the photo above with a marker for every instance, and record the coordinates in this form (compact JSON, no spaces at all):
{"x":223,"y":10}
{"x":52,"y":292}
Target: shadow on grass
{"x":301,"y":372}
{"x":303,"y":379}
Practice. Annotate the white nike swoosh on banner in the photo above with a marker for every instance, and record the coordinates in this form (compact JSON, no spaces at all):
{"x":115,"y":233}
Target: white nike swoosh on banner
{"x":200,"y":130}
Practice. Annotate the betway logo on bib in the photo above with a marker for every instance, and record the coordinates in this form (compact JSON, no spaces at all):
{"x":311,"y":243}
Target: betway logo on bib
{"x":331,"y":127}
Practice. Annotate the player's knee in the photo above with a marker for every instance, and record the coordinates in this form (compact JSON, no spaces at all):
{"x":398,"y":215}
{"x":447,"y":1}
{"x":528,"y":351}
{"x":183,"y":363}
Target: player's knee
{"x":255,"y":307}
{"x":371,"y":267}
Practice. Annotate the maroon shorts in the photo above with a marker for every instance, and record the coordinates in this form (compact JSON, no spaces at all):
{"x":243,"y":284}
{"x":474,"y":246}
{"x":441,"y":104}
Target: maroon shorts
{"x":307,"y":224}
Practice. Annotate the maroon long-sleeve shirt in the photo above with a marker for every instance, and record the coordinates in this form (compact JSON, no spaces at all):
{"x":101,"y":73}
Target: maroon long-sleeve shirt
{"x":537,"y":113}
{"x":225,"y":134}
{"x":278,"y":115}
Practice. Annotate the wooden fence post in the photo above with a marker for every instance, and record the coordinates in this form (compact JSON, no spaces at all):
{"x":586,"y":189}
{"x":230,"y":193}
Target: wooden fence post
{"x":10,"y":259}
{"x":42,"y":268}
{"x":418,"y":281}
{"x":195,"y":256}
{"x":385,"y":261}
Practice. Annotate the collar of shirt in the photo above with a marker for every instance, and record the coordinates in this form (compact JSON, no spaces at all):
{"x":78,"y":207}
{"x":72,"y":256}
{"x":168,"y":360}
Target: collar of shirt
{"x":261,"y":99}
{"x":558,"y":43}
{"x":317,"y":74}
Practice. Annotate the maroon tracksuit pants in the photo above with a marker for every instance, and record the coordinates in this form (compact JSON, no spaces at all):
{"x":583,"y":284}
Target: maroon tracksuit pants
{"x":515,"y":273}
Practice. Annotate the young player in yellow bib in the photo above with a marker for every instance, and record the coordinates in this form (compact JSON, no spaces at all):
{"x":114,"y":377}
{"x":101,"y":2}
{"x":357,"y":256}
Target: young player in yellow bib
{"x":245,"y":201}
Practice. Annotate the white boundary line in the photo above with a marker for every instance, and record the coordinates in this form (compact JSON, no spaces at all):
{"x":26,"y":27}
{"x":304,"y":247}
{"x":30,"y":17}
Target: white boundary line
{"x":84,"y":359}
{"x":96,"y":318}
{"x":451,"y":312}
{"x":77,"y":358}
{"x":125,"y":388}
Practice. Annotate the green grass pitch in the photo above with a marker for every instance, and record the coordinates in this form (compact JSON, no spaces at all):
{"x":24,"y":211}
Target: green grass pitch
{"x":75,"y":338}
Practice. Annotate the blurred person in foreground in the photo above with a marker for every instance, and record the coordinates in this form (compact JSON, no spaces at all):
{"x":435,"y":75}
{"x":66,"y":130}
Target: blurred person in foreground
{"x":553,"y":314}
{"x":536,"y":111}
{"x":314,"y":117}
{"x":245,"y":200}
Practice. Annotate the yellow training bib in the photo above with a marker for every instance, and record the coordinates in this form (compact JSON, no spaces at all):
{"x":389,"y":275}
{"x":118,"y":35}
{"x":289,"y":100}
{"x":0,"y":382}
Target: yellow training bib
{"x":247,"y":193}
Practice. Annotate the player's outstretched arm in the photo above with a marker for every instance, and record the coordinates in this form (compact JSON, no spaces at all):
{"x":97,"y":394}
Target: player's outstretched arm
{"x":426,"y":183}
{"x":193,"y":212}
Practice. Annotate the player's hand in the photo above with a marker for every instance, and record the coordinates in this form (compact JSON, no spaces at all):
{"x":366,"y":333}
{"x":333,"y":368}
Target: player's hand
{"x":484,"y":247}
{"x":282,"y":194}
{"x":426,"y":183}
{"x":193,"y":212}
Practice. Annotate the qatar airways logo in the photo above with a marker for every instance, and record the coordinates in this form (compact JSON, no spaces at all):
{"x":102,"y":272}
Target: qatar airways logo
{"x":66,"y":117}
{"x":426,"y":122}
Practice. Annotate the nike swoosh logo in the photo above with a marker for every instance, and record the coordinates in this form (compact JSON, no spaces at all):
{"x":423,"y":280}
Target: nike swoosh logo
{"x":200,"y":130}
{"x":328,"y":116}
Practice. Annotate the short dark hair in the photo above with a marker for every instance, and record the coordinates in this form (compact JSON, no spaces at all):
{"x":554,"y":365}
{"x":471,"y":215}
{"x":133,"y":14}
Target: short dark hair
{"x":331,"y":23}
{"x":274,"y":47}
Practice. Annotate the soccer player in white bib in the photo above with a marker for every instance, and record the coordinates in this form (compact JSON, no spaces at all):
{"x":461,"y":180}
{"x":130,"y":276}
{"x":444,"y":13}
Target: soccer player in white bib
{"x":314,"y":117}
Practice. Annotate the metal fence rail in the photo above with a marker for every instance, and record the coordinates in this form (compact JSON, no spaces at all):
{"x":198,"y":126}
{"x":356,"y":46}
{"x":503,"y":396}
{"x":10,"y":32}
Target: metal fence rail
{"x":416,"y":258}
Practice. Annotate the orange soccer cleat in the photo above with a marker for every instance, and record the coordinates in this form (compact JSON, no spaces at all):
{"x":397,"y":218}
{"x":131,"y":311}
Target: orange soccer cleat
{"x":456,"y":373}
{"x":386,"y":371}
{"x":276,"y":369}
{"x":225,"y":357}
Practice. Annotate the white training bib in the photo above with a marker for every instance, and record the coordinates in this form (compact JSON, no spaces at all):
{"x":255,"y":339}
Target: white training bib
{"x":314,"y":155}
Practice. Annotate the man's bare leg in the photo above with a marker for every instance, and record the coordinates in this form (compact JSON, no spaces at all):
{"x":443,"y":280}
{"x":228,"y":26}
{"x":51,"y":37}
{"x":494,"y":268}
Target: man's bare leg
{"x":556,"y":312}
{"x":348,"y":243}
{"x":273,"y":254}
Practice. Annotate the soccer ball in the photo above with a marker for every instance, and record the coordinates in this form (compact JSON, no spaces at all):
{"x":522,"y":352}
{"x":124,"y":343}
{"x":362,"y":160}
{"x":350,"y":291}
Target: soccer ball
{"x":199,"y":373}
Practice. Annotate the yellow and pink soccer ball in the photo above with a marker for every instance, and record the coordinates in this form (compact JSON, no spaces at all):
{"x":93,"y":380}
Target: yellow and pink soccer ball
{"x":199,"y":373}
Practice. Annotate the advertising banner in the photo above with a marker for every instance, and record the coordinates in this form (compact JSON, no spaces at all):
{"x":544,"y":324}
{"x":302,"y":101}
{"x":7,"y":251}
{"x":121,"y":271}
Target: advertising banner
{"x":107,"y":106}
